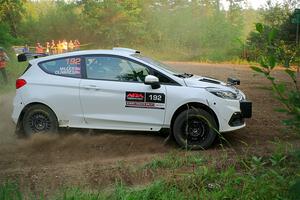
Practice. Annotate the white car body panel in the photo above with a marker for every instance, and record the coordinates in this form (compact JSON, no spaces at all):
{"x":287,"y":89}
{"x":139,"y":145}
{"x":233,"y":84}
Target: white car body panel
{"x":104,"y":106}
{"x":100,"y":104}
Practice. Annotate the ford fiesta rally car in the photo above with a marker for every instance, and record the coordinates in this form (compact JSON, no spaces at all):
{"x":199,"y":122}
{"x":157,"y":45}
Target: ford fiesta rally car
{"x":121,"y":89}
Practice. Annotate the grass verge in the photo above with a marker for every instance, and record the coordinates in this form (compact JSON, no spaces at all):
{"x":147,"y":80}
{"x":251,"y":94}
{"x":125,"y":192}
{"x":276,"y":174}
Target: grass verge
{"x":249,"y":177}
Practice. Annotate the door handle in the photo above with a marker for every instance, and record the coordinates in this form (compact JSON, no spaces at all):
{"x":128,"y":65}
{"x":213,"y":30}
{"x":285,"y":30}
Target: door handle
{"x":95,"y":87}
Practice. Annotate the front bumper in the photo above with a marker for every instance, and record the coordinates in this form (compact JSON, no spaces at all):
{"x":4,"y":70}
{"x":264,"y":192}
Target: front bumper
{"x":246,"y":108}
{"x":231,"y":114}
{"x":238,"y":118}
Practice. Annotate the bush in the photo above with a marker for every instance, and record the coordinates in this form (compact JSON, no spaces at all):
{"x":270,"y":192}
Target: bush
{"x":270,"y":56}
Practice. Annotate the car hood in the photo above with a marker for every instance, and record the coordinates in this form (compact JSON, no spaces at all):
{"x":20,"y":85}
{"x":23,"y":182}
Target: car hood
{"x":204,"y":82}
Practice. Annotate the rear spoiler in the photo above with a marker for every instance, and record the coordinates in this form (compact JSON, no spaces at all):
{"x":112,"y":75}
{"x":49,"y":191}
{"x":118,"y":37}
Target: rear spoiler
{"x":26,"y":56}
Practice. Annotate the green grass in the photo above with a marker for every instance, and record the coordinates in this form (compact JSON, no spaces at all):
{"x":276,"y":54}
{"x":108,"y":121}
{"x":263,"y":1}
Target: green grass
{"x":173,"y":161}
{"x":77,"y":194}
{"x":259,"y":180}
{"x":272,"y":177}
{"x":10,"y":191}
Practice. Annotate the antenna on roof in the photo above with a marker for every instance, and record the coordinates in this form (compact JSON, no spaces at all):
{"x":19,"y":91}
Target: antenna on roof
{"x":126,"y":49}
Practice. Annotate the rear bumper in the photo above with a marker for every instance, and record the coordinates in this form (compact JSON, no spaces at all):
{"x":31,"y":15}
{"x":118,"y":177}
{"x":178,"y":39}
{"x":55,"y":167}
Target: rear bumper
{"x":17,"y":108}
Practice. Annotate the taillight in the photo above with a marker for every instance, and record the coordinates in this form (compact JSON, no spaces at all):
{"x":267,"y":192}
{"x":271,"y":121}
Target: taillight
{"x":20,"y":83}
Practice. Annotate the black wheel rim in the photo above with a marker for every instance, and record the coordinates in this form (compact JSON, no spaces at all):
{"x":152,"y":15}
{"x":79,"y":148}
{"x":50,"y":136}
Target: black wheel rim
{"x":39,"y":122}
{"x":195,"y":130}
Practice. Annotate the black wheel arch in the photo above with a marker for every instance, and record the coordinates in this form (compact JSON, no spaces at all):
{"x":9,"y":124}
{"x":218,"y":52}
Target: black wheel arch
{"x":19,"y":127}
{"x":194,"y":105}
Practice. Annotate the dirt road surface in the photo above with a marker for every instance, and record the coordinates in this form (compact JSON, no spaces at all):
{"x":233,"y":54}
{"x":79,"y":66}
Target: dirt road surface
{"x":79,"y":158}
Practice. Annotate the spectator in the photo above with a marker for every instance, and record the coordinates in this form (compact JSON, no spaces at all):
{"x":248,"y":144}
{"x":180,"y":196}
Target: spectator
{"x":59,"y":47}
{"x":47,"y":47}
{"x":77,"y":45}
{"x":39,"y":48}
{"x":3,"y":63}
{"x":25,"y":49}
{"x":65,"y":46}
{"x":53,"y":47}
{"x":71,"y":46}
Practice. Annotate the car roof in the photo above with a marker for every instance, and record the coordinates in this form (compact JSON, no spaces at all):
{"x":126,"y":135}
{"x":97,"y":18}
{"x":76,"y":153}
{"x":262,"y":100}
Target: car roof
{"x":115,"y":51}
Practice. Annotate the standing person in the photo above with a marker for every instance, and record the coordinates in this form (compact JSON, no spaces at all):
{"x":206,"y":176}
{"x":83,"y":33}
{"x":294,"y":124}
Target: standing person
{"x":65,"y":46}
{"x":71,"y":46}
{"x":47,"y":47}
{"x":3,"y":63}
{"x":52,"y":47}
{"x":59,"y":47}
{"x":39,"y":48}
{"x":25,"y":49}
{"x":77,"y":45}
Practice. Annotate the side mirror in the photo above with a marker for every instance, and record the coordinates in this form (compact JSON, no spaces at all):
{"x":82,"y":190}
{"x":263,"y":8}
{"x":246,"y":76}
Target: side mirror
{"x":153,"y":81}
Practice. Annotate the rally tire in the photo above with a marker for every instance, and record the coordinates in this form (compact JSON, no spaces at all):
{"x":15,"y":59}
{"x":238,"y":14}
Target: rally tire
{"x":39,"y":119}
{"x":194,"y":129}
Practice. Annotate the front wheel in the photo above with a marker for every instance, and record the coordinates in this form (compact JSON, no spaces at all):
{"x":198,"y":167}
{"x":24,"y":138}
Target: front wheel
{"x":194,"y":129}
{"x":39,"y":119}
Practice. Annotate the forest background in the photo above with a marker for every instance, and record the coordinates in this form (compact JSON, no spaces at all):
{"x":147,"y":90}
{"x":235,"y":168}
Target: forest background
{"x":193,"y":30}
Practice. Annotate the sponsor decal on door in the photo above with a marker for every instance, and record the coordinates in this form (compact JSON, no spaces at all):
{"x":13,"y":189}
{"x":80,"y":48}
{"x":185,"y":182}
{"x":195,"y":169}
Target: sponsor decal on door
{"x":145,"y":100}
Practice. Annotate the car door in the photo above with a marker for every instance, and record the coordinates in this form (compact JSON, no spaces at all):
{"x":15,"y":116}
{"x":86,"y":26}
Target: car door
{"x":113,"y":95}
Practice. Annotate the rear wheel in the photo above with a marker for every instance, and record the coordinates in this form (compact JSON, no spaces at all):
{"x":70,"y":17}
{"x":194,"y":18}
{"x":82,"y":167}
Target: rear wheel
{"x":194,"y":129}
{"x":39,"y":119}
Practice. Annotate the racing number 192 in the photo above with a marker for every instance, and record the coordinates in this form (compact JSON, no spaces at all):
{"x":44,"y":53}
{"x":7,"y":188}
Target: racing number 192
{"x":74,"y":61}
{"x":155,"y":97}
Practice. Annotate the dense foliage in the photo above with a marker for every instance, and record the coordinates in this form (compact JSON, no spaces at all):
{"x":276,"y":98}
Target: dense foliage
{"x":10,"y":17}
{"x":277,"y":20}
{"x":198,"y":30}
{"x":191,"y":29}
{"x":288,"y":95}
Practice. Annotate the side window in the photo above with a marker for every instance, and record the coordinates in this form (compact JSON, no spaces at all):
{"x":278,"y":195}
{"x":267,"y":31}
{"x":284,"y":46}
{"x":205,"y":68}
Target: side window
{"x":69,"y":67}
{"x":114,"y":68}
{"x":162,"y":78}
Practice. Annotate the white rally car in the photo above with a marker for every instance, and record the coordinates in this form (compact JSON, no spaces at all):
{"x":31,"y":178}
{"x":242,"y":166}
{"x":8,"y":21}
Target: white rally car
{"x":121,"y":89}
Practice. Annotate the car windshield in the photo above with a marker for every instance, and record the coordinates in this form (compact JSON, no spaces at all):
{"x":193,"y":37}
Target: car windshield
{"x":162,"y":66}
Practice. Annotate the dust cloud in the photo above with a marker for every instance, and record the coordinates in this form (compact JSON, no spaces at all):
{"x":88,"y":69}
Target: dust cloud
{"x":7,"y":127}
{"x":71,"y":145}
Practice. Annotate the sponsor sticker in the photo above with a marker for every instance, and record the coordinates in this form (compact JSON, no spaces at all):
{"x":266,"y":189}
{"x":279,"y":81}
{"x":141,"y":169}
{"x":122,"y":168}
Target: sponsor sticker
{"x":145,"y":100}
{"x":68,"y":71}
{"x":155,"y":97}
{"x":70,"y":66}
{"x":135,"y":96}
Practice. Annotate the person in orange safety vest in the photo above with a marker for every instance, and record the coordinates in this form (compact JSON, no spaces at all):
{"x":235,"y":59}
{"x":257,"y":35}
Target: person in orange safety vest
{"x":39,"y":48}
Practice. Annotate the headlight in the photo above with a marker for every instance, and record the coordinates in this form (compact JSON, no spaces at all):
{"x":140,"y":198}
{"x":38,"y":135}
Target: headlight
{"x":225,"y":94}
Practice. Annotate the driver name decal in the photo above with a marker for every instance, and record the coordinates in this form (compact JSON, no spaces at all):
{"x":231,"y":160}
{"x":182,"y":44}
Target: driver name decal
{"x":145,"y":100}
